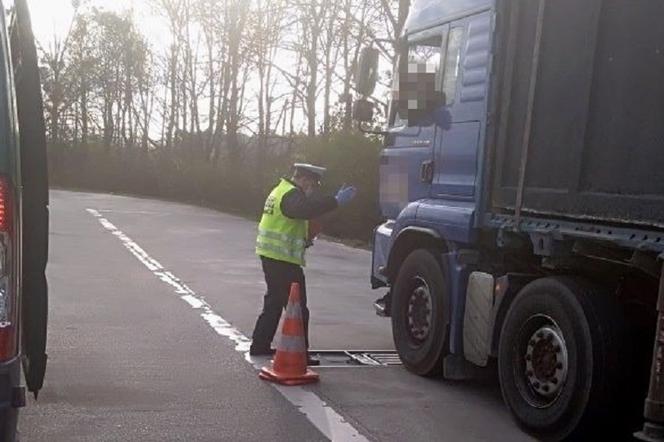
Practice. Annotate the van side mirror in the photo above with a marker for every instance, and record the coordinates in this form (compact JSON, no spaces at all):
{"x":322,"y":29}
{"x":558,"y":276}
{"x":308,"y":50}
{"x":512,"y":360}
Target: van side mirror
{"x":367,"y":73}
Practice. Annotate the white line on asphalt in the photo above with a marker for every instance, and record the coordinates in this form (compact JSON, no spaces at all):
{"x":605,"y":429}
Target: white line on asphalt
{"x":321,"y":415}
{"x":129,"y":212}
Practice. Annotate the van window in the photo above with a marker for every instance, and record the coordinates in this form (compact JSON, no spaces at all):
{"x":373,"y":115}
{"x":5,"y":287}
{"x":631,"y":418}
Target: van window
{"x":422,"y":56}
{"x":452,"y":64}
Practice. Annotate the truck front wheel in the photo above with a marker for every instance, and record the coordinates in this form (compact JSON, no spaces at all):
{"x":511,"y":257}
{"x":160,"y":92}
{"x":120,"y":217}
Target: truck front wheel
{"x":559,"y":358}
{"x":419,"y":313}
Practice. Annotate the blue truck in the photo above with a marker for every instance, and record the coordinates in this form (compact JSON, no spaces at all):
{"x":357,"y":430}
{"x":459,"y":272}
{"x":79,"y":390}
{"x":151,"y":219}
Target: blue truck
{"x":522,"y":183}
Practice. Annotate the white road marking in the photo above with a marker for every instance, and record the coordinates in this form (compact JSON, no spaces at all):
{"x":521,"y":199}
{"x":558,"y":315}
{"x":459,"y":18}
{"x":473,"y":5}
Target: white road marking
{"x":129,"y":212}
{"x":321,"y":415}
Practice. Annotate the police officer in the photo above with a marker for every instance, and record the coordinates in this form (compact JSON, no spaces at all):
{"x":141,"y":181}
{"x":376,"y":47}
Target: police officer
{"x":283,"y":236}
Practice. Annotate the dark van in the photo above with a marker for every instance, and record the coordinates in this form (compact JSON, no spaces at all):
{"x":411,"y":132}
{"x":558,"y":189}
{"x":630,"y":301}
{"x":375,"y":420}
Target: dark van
{"x":23,"y":217}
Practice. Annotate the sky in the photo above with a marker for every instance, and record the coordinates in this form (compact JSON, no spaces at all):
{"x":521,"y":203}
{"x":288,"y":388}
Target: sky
{"x":54,"y":17}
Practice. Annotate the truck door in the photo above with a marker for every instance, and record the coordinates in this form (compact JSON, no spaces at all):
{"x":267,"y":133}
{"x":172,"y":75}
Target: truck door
{"x":465,"y":75}
{"x":406,"y":163}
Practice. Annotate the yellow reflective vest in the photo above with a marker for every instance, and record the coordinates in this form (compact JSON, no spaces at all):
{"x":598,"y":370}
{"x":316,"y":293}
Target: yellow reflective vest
{"x":280,"y":237}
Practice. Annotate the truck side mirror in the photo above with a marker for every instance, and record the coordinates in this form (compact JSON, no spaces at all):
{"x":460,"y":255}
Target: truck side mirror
{"x":367,"y":74}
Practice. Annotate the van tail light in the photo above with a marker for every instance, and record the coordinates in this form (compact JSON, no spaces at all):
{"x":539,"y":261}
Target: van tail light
{"x":8,"y":274}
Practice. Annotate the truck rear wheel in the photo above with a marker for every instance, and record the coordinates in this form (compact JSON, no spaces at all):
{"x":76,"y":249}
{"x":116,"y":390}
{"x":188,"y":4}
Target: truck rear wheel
{"x":559,"y":358}
{"x":419,"y":313}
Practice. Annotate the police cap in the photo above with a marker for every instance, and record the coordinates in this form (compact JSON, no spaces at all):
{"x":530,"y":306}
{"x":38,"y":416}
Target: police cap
{"x":315,"y":172}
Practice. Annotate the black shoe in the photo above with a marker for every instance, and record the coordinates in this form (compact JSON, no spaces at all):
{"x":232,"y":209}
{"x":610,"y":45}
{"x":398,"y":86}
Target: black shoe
{"x":312,"y":360}
{"x":261,"y":351}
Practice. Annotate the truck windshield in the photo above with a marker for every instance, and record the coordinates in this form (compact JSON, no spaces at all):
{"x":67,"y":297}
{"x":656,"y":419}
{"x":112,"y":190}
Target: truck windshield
{"x":422,"y":55}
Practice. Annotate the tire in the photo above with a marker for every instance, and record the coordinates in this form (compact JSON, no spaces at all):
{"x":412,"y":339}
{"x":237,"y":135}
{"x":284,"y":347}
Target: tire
{"x":420,"y":313}
{"x":559,"y":359}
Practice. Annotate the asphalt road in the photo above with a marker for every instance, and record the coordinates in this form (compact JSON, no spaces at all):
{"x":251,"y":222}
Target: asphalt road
{"x":150,"y":305}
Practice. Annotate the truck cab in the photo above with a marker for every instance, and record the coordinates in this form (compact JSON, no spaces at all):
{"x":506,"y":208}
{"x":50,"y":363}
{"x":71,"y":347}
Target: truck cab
{"x":429,"y":168}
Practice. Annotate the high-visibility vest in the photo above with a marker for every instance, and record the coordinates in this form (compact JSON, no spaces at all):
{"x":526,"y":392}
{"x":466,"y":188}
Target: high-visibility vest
{"x":280,"y":237}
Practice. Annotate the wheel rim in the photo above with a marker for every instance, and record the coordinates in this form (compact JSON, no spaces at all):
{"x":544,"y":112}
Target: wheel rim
{"x":419,"y":312}
{"x":542,"y":362}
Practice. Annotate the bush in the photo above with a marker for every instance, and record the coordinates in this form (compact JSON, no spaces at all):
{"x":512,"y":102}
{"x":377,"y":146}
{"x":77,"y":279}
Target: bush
{"x":350,"y":159}
{"x":237,"y":183}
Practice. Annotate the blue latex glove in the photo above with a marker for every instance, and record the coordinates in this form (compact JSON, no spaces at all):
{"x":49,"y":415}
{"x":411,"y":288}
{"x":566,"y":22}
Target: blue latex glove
{"x":345,"y":195}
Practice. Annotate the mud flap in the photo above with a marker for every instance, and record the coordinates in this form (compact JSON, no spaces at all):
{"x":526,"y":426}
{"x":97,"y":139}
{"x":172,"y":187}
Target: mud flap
{"x":34,"y":171}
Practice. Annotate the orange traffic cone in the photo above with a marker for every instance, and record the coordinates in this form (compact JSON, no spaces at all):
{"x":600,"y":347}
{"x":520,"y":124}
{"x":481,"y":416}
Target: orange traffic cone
{"x":289,"y":366}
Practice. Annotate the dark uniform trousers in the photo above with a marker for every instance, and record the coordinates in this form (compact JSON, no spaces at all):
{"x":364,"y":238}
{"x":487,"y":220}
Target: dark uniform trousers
{"x":279,"y":276}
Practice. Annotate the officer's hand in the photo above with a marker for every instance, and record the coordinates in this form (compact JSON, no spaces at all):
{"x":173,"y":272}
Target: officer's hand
{"x":345,"y":195}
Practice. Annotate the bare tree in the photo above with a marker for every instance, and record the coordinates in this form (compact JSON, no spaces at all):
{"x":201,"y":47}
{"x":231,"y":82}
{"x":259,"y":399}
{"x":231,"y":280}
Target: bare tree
{"x":236,"y":22}
{"x":173,"y":10}
{"x":231,"y":68}
{"x":56,"y":84}
{"x":311,"y":15}
{"x":269,"y":27}
{"x":330,"y":48}
{"x":82,"y":65}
